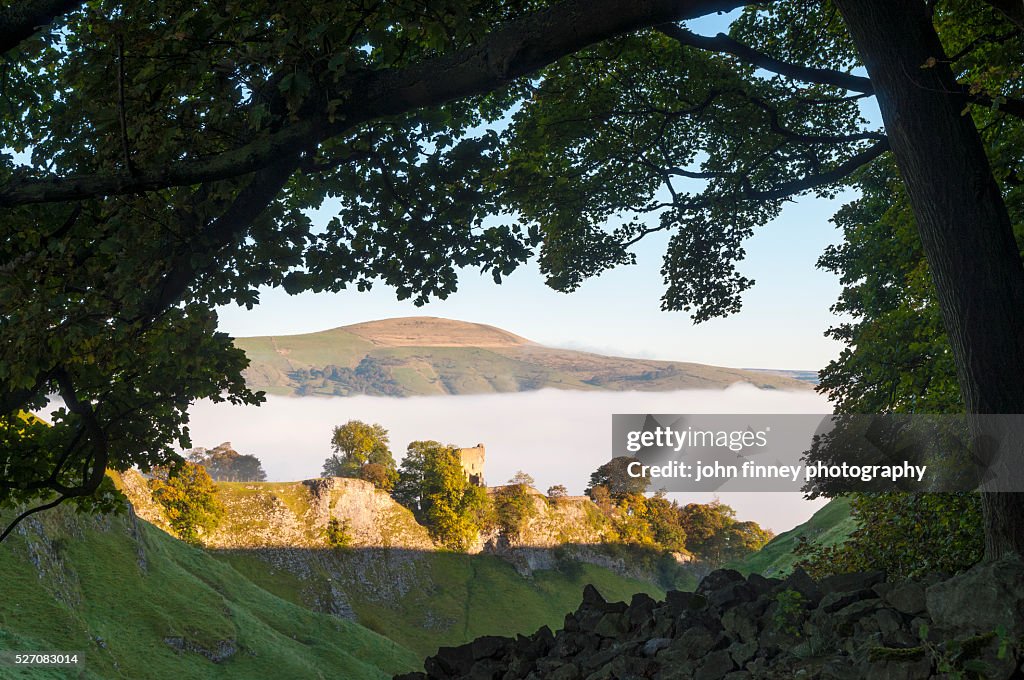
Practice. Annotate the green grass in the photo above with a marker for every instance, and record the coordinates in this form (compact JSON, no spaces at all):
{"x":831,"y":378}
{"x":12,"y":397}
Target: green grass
{"x":81,"y":588}
{"x":455,"y":597}
{"x":830,"y":525}
{"x":116,"y":590}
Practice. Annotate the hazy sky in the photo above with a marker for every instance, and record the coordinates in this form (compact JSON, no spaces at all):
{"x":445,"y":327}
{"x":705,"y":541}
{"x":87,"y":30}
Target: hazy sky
{"x":558,"y":436}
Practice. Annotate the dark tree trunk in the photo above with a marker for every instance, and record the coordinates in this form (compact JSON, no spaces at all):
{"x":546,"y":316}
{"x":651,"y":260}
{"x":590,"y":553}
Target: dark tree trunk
{"x":961,"y":217}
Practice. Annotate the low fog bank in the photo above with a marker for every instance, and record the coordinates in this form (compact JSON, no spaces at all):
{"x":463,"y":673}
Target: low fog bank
{"x":558,"y":436}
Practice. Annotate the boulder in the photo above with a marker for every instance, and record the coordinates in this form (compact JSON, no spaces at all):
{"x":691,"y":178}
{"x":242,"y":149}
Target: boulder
{"x":843,"y":583}
{"x":988,"y":596}
{"x":907,"y":598}
{"x":715,"y":666}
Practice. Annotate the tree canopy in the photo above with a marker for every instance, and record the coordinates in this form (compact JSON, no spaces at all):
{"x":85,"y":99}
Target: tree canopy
{"x":434,"y":486}
{"x":189,"y":499}
{"x":224,"y":464}
{"x":361,"y":450}
{"x":158,"y":161}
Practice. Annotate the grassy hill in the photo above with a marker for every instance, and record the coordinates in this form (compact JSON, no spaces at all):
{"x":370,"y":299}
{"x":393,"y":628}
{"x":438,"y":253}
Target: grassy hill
{"x":828,"y":526}
{"x":139,"y":604}
{"x":393,"y":579}
{"x":441,"y":598}
{"x":427,"y":355}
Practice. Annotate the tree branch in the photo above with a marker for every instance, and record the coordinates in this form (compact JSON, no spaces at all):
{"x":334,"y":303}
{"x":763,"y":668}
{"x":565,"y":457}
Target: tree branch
{"x":811,"y":181}
{"x":28,"y":513}
{"x":247,"y":206}
{"x":1008,"y":105}
{"x":1011,"y":9}
{"x":23,"y":19}
{"x":725,"y":44}
{"x":511,"y":51}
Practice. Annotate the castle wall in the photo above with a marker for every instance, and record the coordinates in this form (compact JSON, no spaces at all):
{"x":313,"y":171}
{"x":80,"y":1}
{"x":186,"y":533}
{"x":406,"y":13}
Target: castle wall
{"x":473,"y":464}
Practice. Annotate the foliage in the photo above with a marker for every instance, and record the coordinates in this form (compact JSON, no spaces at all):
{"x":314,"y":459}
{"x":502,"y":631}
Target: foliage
{"x":371,"y":376}
{"x":789,"y":605}
{"x":514,"y":507}
{"x":381,"y":476}
{"x":708,"y":530}
{"x":357,"y":445}
{"x":714,"y":535}
{"x":224,"y":464}
{"x":521,"y":478}
{"x":906,"y":535}
{"x":338,"y":534}
{"x":557,"y":491}
{"x":433,"y":485}
{"x":189,"y":499}
{"x":630,"y":520}
{"x":614,"y":478}
{"x":665,"y":520}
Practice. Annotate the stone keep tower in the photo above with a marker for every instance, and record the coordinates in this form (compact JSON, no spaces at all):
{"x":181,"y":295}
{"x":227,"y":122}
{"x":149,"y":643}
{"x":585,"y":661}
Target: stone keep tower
{"x":473,"y":464}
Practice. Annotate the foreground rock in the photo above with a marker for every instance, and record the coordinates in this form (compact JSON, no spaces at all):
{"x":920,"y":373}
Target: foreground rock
{"x":735,"y":628}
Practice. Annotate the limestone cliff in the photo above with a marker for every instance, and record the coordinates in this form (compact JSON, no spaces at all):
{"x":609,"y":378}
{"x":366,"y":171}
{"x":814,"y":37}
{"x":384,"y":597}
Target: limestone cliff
{"x":278,"y":534}
{"x":296,"y":515}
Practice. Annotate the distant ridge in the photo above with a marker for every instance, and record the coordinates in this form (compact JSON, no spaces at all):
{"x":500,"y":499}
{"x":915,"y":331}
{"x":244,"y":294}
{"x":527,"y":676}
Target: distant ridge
{"x":425,"y":355}
{"x":432,"y":331}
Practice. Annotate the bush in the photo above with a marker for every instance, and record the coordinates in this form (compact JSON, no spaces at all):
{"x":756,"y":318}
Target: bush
{"x":906,"y":535}
{"x":338,"y":535}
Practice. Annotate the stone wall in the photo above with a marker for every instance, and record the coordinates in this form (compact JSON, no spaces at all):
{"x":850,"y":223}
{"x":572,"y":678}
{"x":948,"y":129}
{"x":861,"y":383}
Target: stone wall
{"x":473,"y":463}
{"x":845,"y":627}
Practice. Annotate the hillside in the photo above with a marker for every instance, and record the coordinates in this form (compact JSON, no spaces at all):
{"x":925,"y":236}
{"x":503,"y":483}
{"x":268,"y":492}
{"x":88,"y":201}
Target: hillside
{"x":265,"y":597}
{"x":393,"y":579}
{"x":141,"y":605}
{"x":828,"y":526}
{"x":427,"y":355}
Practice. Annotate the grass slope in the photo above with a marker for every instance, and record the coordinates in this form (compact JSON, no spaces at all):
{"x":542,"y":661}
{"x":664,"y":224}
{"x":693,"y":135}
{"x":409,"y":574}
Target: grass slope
{"x":828,"y":526}
{"x":456,"y":597}
{"x":119,"y":591}
{"x":423,"y":356}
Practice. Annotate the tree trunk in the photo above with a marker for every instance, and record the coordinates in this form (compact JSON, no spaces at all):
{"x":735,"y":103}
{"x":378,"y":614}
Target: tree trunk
{"x":962,"y":220}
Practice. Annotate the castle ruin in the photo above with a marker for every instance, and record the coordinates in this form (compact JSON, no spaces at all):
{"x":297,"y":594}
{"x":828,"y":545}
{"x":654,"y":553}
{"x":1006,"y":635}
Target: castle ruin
{"x":473,"y":464}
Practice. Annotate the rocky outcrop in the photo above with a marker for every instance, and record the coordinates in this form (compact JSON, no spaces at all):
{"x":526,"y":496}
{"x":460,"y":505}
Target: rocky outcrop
{"x":735,"y":628}
{"x":285,"y":524}
{"x":573,"y":520}
{"x":296,"y":514}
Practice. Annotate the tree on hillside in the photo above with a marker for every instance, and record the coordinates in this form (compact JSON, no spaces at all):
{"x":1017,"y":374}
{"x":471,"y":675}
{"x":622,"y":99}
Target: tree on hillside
{"x":224,"y":464}
{"x":132,"y":210}
{"x":522,"y":479}
{"x":189,"y":499}
{"x":433,"y":485}
{"x":714,"y":535}
{"x":514,"y":505}
{"x":361,"y":450}
{"x":558,"y":491}
{"x":613,"y":479}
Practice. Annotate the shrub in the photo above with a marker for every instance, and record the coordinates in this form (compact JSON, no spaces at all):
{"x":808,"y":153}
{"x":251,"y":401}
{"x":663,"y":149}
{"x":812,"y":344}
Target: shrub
{"x":906,"y":535}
